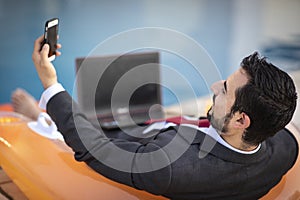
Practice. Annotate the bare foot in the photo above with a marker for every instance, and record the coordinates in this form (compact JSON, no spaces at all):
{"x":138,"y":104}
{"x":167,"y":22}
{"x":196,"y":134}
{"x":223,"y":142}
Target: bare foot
{"x":25,"y":104}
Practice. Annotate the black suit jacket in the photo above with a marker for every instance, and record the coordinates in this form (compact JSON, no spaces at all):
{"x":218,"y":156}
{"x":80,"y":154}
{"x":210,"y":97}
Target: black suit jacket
{"x":153,"y":164}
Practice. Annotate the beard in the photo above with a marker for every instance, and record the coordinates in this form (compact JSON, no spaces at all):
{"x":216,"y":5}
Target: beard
{"x":221,"y":125}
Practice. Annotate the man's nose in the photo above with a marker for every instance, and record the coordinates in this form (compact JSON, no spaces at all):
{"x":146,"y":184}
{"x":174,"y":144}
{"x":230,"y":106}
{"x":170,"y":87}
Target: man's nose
{"x":217,"y":87}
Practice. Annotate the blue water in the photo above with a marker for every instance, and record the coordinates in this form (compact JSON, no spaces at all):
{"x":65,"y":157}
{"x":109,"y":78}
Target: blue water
{"x":85,"y":24}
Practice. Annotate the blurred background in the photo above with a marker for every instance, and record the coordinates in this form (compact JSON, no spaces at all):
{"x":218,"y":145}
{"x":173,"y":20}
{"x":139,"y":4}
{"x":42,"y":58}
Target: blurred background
{"x":229,"y":30}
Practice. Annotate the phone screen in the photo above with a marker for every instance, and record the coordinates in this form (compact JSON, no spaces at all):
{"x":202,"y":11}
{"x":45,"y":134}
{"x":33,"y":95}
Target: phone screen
{"x":51,"y":29}
{"x":52,"y":39}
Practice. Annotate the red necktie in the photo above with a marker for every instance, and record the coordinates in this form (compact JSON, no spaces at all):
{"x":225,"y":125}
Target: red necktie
{"x":181,"y":120}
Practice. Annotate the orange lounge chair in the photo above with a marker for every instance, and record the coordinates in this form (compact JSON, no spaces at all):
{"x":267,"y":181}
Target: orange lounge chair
{"x":46,"y":169}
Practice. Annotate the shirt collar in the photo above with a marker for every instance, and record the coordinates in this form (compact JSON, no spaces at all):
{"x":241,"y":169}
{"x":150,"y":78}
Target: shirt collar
{"x":214,"y":134}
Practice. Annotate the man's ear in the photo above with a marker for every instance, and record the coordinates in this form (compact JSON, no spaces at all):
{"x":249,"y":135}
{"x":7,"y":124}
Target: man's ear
{"x":242,"y":120}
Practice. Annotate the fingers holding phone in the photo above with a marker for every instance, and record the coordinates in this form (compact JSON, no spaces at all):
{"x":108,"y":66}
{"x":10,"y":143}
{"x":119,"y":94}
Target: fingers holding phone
{"x":43,"y":54}
{"x":44,"y":67}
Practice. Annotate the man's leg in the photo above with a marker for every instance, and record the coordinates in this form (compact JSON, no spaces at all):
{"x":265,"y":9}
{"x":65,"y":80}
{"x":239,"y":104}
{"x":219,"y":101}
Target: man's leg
{"x":25,"y":104}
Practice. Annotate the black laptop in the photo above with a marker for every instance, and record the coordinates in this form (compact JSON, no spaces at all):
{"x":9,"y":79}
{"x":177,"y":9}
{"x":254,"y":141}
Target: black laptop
{"x":119,"y":90}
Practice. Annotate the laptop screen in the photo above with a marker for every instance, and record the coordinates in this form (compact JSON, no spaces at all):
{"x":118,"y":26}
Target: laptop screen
{"x":124,"y":83}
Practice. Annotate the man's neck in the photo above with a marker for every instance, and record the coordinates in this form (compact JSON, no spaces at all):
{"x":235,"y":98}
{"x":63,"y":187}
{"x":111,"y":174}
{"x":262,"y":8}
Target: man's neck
{"x":236,"y":142}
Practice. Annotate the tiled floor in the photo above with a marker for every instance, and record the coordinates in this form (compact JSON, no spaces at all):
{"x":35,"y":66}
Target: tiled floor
{"x":9,"y":191}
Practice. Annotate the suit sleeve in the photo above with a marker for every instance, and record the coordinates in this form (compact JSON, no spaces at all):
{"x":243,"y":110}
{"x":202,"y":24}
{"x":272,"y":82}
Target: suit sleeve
{"x":127,"y":162}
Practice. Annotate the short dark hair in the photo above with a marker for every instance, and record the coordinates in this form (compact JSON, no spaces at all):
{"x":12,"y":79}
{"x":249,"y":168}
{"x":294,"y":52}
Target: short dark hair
{"x":269,"y":98}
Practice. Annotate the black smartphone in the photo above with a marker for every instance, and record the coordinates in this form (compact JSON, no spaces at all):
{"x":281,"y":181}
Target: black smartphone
{"x":50,"y":36}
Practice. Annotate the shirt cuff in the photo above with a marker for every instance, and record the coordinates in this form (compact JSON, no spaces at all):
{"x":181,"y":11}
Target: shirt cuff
{"x":49,"y":93}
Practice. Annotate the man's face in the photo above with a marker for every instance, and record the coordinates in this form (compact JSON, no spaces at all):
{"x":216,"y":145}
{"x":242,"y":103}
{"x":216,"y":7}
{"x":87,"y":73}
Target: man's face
{"x":223,"y":99}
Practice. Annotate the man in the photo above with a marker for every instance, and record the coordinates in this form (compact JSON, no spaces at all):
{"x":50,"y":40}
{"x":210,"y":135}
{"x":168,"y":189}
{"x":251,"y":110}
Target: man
{"x":242,"y":155}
